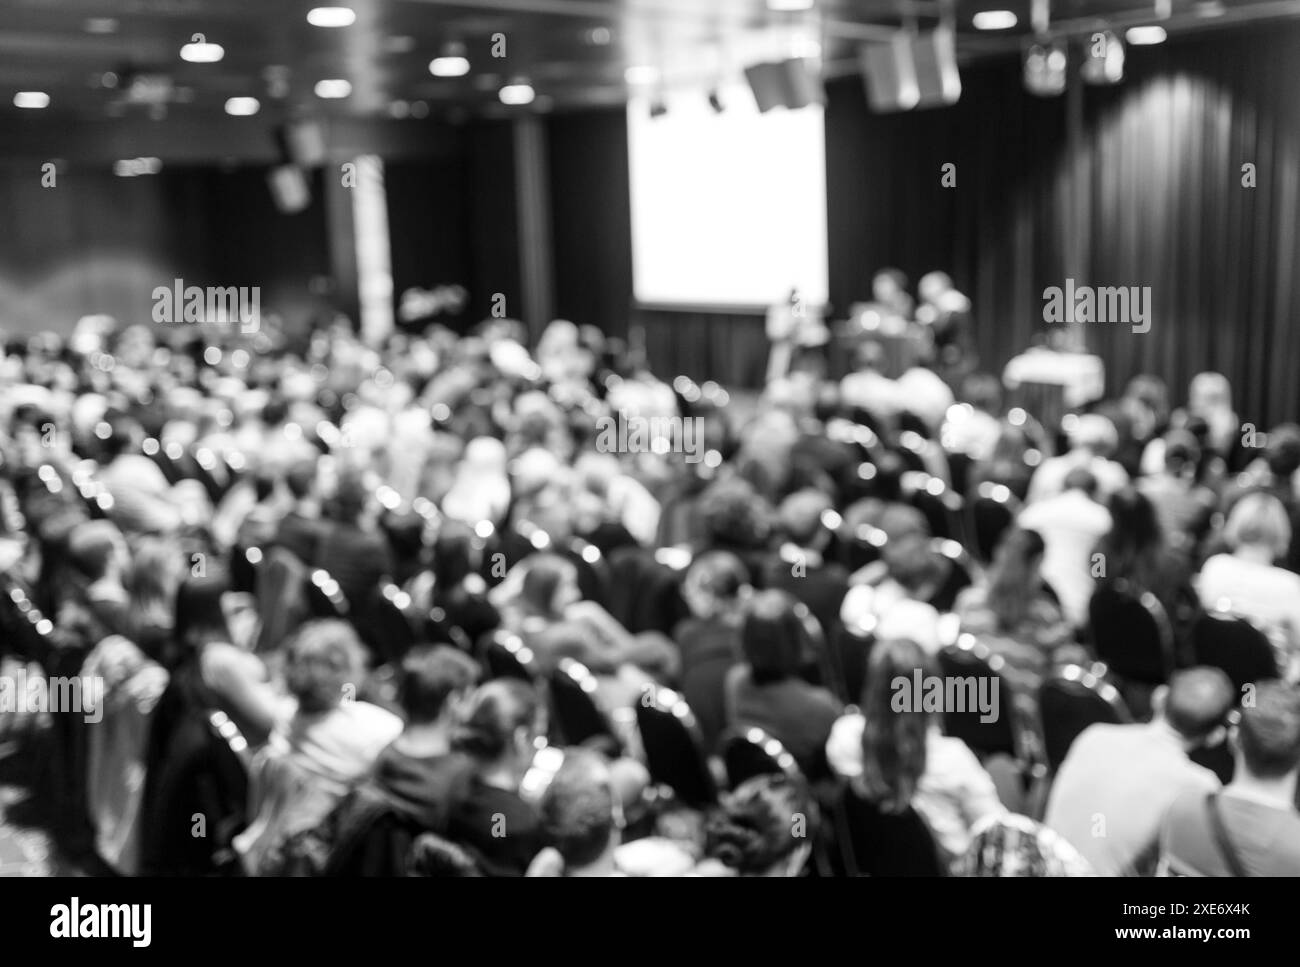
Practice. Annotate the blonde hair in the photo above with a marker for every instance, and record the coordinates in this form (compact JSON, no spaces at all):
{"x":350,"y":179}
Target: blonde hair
{"x":1259,"y":519}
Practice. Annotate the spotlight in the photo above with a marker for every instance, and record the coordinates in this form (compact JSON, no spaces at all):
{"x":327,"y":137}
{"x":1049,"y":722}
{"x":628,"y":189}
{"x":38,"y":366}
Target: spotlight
{"x":333,"y":88}
{"x":1045,"y":64}
{"x":242,"y":107}
{"x":331,"y":17}
{"x":451,"y":62}
{"x":1145,"y":36}
{"x":1104,"y":59}
{"x":517,"y":94}
{"x":199,"y":51}
{"x":994,"y":20}
{"x":33,"y":100}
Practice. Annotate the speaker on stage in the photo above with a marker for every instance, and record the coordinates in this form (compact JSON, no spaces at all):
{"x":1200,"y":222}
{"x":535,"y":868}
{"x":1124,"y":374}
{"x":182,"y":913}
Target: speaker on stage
{"x":302,"y":143}
{"x":791,"y":83}
{"x":289,"y":188}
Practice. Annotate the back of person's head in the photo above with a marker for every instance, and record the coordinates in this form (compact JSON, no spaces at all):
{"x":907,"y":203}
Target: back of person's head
{"x":1013,"y":574}
{"x":761,"y":825}
{"x":545,"y":577}
{"x":1258,"y":520}
{"x":123,"y":434}
{"x":157,"y":568}
{"x":983,"y":391}
{"x":200,"y":617}
{"x":1182,"y":452}
{"x":324,"y":657}
{"x":720,"y":574}
{"x":800,"y":516}
{"x":1282,"y":452}
{"x":1134,"y":524}
{"x":1268,"y":737}
{"x":94,"y":546}
{"x":1197,"y":701}
{"x":577,"y":809}
{"x":1081,"y":480}
{"x":502,"y":715}
{"x":893,"y":739}
{"x":350,"y":498}
{"x":1209,"y":391}
{"x":300,"y":478}
{"x":431,"y":675}
{"x":733,"y":514}
{"x":773,"y":636}
{"x":1096,"y":434}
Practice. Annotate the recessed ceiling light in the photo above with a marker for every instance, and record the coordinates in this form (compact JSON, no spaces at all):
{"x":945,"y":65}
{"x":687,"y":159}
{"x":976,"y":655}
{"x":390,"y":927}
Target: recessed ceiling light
{"x":641,"y":74}
{"x":100,"y":25}
{"x":1145,"y":36}
{"x":517,"y":94}
{"x":201,"y":52}
{"x":331,"y":16}
{"x":994,"y":20}
{"x":333,"y":88}
{"x":451,"y":62}
{"x":789,"y":4}
{"x":242,"y":107}
{"x":32,"y":99}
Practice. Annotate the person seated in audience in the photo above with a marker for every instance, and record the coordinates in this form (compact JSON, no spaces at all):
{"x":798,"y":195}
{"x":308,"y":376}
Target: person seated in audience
{"x":1092,"y":442}
{"x":157,"y":570}
{"x":800,"y":568}
{"x":715,"y":588}
{"x":1209,"y":396}
{"x":904,"y":591}
{"x":499,"y":733}
{"x":1182,"y":504}
{"x":1014,"y":613}
{"x":734,"y":517}
{"x":1070,"y":524}
{"x":1274,"y":473}
{"x":1246,"y":581}
{"x":1251,"y":827}
{"x":1145,"y":405}
{"x":1135,"y":554}
{"x":581,"y":819}
{"x":763,"y":827}
{"x":333,"y":734}
{"x":895,"y":755}
{"x":299,"y":529}
{"x":974,"y":426}
{"x":352,"y":549}
{"x":142,"y":499}
{"x":1111,"y":793}
{"x":100,"y":565}
{"x":225,"y":674}
{"x":767,"y":691}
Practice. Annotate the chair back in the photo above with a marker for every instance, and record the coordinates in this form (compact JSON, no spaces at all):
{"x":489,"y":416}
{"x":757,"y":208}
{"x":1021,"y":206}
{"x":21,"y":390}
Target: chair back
{"x":872,"y":842}
{"x":1070,"y":701}
{"x":992,"y":513}
{"x":504,"y":654}
{"x":750,"y":752}
{"x":575,"y":713}
{"x":674,"y":748}
{"x":978,"y":706}
{"x":1231,"y":642}
{"x":1131,"y":634}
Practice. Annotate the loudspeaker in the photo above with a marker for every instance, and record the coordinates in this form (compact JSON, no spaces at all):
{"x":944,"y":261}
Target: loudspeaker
{"x":791,"y":83}
{"x":289,"y":188}
{"x":911,"y":71}
{"x":302,"y":143}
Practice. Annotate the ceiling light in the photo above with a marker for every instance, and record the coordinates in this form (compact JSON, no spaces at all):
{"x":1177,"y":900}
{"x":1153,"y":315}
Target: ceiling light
{"x":450,"y":62}
{"x":100,"y":25}
{"x":331,"y":16}
{"x":333,"y":88}
{"x":1145,"y":36}
{"x":131,"y":167}
{"x":994,"y":20}
{"x":599,"y":36}
{"x":517,"y":94}
{"x":199,"y":51}
{"x":789,"y":4}
{"x":242,"y":107}
{"x":32,"y":99}
{"x":641,"y":74}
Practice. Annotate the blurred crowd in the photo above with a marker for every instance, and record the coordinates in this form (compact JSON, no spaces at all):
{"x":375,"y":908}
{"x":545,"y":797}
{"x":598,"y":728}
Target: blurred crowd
{"x":398,"y":610}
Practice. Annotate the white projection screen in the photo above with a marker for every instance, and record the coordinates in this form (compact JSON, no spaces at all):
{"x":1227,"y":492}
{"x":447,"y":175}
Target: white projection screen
{"x":727,"y":209}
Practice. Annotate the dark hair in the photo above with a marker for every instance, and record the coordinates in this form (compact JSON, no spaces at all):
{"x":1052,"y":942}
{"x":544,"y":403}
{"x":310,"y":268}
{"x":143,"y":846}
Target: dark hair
{"x":577,"y":808}
{"x":734,"y":515}
{"x":1199,"y":701}
{"x":1012,"y":577}
{"x":1081,"y":479}
{"x":300,"y":477}
{"x":1269,"y":736}
{"x":496,"y":710}
{"x":1134,"y":545}
{"x":542,"y":579}
{"x":430,"y":675}
{"x":773,"y":637}
{"x":324,"y":657}
{"x":893,"y":742}
{"x":1282,"y":452}
{"x":199,"y":616}
{"x":263,"y":484}
{"x":349,"y":498}
{"x":721,"y":573}
{"x":756,"y":825}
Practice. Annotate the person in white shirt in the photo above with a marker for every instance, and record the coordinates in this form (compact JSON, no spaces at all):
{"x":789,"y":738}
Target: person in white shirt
{"x":1070,"y":524}
{"x":1093,"y":439}
{"x":1246,"y":581}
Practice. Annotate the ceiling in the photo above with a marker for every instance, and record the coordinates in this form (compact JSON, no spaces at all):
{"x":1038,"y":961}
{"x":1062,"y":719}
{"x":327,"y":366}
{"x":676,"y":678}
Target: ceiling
{"x":85,"y":53}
